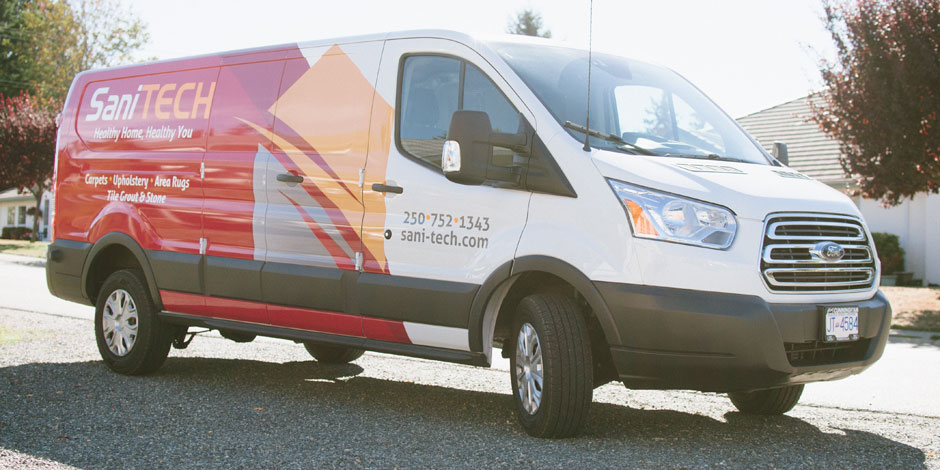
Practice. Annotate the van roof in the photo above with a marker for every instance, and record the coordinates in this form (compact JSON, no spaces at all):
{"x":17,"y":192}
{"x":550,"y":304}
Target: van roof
{"x":214,"y":58}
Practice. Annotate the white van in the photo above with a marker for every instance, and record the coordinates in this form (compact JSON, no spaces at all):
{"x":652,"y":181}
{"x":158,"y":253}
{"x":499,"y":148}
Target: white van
{"x":435,"y":195}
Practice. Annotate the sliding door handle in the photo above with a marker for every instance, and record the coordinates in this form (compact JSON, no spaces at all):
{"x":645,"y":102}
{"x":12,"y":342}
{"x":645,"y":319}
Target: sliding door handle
{"x":384,"y":188}
{"x":289,"y":178}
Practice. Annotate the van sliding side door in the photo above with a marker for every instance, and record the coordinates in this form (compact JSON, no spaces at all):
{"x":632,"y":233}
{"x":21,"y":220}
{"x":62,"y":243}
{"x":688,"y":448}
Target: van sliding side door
{"x":314,"y":215}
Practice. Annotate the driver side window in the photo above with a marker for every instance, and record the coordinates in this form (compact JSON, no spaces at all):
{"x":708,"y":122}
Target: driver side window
{"x":432,"y":88}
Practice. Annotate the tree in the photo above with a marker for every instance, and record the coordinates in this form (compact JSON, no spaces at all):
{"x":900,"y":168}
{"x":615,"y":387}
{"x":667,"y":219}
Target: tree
{"x":108,"y":33}
{"x":39,"y":42}
{"x":27,"y":147}
{"x":883,"y":94}
{"x":528,"y":23}
{"x":44,"y":43}
{"x":9,"y":36}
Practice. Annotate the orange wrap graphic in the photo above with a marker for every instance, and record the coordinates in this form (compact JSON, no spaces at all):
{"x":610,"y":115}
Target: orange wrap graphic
{"x":323,"y":134}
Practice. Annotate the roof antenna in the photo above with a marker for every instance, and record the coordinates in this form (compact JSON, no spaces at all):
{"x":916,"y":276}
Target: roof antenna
{"x":587,"y":135}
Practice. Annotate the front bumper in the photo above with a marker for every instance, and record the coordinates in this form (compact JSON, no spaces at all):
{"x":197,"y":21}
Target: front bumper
{"x":682,"y":339}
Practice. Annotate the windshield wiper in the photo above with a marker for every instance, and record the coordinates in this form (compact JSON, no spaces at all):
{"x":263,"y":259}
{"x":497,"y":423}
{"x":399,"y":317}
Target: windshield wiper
{"x":608,"y":137}
{"x":711,"y":156}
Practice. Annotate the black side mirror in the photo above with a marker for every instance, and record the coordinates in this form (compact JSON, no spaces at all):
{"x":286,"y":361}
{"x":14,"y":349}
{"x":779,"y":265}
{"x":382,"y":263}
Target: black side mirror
{"x":780,"y":153}
{"x":467,"y":157}
{"x":467,"y":151}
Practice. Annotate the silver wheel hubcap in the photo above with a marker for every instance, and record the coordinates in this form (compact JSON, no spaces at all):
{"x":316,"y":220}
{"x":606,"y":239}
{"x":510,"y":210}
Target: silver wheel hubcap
{"x":529,"y":368}
{"x":119,"y":322}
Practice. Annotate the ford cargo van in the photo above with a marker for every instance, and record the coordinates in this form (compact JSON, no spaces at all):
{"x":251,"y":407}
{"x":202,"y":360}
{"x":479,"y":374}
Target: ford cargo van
{"x":435,"y":195}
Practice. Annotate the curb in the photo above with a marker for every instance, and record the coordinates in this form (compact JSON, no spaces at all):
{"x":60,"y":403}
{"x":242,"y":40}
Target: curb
{"x":23,"y":260}
{"x":913,"y":334}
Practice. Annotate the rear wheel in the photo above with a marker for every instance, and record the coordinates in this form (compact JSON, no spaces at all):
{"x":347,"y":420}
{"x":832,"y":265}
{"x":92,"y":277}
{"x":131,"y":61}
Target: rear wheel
{"x":131,"y":339}
{"x":328,"y":354}
{"x":550,"y":366}
{"x":775,"y":401}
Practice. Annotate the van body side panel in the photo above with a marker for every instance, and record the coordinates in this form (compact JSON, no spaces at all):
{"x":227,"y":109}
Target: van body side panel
{"x":238,"y":146}
{"x":139,"y":173}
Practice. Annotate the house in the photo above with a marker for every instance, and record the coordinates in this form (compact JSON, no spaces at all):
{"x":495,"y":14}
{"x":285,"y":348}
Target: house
{"x":14,"y":206}
{"x":915,"y":221}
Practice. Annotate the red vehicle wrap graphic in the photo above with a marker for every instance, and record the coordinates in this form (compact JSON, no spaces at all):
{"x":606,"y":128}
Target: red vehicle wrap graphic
{"x":289,"y":317}
{"x":224,"y":121}
{"x":183,"y":157}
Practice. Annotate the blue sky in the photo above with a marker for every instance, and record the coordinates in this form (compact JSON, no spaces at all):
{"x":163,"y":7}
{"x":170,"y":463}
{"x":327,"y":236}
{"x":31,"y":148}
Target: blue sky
{"x":747,"y":55}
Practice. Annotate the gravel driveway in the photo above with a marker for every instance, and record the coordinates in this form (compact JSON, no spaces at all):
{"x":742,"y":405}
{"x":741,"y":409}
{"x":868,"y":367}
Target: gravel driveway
{"x":268,"y":405}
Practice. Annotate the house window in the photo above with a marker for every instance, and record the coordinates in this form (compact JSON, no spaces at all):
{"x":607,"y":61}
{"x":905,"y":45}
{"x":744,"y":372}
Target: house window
{"x":21,"y":219}
{"x":45,"y":213}
{"x":11,"y":215}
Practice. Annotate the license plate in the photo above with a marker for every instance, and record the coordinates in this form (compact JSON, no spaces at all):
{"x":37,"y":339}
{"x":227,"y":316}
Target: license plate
{"x":841,"y":324}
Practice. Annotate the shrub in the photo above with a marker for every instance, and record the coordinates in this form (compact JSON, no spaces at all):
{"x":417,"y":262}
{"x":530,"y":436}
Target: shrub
{"x":890,"y":252}
{"x":15,"y":233}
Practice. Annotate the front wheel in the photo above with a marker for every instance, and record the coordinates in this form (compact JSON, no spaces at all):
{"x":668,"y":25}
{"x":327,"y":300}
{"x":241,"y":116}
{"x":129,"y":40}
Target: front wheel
{"x":550,"y":366}
{"x":775,"y":401}
{"x":131,"y":339}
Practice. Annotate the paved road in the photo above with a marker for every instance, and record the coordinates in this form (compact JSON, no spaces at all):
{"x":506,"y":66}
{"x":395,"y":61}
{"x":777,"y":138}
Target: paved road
{"x":266,"y":404}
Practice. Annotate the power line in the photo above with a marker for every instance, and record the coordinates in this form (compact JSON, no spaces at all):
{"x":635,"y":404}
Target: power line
{"x":12,"y":82}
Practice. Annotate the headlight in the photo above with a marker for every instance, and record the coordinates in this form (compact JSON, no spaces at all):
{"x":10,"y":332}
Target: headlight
{"x":664,"y":216}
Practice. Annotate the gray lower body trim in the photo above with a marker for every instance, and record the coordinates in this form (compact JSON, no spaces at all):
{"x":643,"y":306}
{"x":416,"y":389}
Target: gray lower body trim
{"x":180,"y":272}
{"x":303,"y":286}
{"x":415,"y":300}
{"x":412,"y":350}
{"x":426,"y":301}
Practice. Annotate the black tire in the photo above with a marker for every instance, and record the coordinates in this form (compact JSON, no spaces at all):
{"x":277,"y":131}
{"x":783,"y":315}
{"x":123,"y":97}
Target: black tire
{"x":775,"y":401}
{"x":567,"y":372}
{"x":151,"y":342}
{"x":328,"y":354}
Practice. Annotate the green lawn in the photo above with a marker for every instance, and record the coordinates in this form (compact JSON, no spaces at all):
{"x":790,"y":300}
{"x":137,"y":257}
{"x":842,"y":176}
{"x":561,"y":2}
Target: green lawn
{"x":24,"y":248}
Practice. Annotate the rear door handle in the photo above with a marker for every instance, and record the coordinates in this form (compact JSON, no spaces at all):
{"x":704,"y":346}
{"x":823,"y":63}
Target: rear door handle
{"x":384,"y":188}
{"x":289,"y":178}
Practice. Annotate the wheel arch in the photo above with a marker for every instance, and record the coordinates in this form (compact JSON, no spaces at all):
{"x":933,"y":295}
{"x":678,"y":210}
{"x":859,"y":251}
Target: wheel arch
{"x":497,"y":297}
{"x":112,"y":252}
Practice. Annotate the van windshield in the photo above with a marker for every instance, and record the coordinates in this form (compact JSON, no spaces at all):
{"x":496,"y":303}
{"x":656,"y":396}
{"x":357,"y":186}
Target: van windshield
{"x":637,"y":108}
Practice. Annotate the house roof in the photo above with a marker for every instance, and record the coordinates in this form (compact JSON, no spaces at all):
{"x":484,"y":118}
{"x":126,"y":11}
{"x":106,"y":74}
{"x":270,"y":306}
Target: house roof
{"x":811,"y":151}
{"x":12,"y":195}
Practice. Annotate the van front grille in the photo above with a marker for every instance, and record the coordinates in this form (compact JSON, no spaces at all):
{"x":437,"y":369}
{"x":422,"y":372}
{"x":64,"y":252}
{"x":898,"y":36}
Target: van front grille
{"x":792,"y":261}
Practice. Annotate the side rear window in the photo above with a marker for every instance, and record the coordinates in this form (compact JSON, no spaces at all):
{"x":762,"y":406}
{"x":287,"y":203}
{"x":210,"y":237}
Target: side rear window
{"x":432,"y":88}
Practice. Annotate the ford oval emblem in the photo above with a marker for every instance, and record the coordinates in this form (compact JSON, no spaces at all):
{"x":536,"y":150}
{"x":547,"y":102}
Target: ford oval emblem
{"x":827,"y":251}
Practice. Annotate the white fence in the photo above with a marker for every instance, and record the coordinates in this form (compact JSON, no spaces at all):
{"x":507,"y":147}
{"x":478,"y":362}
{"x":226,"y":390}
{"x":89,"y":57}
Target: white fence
{"x":917,"y":223}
